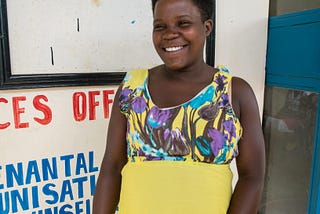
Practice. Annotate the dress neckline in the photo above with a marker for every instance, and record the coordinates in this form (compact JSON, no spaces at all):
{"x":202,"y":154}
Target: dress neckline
{"x":146,"y":86}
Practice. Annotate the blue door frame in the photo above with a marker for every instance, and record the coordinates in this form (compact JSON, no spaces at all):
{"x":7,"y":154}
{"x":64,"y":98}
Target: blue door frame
{"x":293,"y":61}
{"x":314,"y":203}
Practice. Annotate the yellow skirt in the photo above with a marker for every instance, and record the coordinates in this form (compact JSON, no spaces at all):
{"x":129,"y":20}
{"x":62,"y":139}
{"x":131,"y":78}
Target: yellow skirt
{"x":165,"y":187}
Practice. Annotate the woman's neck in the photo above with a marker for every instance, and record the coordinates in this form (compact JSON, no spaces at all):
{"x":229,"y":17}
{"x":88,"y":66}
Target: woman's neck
{"x":195,"y":73}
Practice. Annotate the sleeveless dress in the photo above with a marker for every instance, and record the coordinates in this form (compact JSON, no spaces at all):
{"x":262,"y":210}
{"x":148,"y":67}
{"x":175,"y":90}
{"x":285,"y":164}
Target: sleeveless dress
{"x":178,"y":157}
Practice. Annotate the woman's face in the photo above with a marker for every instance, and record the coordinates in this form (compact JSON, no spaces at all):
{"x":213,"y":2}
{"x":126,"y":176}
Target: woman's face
{"x":179,"y":33}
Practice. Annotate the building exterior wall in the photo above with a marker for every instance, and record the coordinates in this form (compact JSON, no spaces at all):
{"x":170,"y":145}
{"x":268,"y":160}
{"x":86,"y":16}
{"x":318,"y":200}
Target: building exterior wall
{"x":68,"y":125}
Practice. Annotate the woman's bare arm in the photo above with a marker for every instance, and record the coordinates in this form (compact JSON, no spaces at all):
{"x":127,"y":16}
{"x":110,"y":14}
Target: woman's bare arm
{"x":107,"y":192}
{"x":251,"y":159}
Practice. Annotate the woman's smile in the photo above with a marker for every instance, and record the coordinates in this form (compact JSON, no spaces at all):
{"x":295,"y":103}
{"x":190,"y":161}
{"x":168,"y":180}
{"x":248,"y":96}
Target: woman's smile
{"x":173,"y":49}
{"x":179,"y":33}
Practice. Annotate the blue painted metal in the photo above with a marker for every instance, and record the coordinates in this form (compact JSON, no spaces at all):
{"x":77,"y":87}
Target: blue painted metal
{"x":293,"y":61}
{"x":293,"y":54}
{"x":314,"y":196}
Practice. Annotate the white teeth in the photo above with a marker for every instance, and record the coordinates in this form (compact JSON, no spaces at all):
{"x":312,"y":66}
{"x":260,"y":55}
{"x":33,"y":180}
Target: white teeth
{"x":171,"y":49}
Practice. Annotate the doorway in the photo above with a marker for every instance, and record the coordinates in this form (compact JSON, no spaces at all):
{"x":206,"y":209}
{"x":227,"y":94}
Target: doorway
{"x":291,"y":120}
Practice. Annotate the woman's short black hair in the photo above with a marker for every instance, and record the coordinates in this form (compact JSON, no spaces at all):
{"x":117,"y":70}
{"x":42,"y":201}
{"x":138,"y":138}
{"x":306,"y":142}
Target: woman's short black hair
{"x":205,"y":6}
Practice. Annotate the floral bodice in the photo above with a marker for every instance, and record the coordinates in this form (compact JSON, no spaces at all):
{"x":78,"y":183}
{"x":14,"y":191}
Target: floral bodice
{"x":203,"y":129}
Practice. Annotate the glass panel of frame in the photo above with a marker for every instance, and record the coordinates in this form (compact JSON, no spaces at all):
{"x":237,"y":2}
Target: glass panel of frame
{"x":289,"y":130}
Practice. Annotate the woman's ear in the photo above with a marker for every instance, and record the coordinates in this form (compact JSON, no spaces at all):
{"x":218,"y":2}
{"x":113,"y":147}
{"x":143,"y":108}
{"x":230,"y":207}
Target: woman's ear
{"x":209,"y":26}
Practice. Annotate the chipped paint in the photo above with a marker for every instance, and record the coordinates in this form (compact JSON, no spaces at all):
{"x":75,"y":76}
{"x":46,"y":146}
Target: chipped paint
{"x":133,"y":21}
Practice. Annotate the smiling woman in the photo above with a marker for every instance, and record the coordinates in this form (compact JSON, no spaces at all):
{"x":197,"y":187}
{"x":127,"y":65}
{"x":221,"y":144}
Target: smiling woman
{"x":179,"y":34}
{"x":176,"y":127}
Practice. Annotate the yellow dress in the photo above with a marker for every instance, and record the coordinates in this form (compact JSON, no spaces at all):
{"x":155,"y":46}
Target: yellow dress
{"x":178,"y":157}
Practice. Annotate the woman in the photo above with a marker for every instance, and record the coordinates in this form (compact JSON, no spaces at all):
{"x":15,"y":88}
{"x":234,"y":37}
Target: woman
{"x":175,"y":128}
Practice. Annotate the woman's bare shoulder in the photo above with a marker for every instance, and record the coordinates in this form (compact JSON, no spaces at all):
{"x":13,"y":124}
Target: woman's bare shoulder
{"x":242,"y":94}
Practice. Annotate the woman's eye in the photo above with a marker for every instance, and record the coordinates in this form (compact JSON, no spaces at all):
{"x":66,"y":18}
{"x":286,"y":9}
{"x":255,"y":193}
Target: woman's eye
{"x":184,"y":23}
{"x":158,"y":27}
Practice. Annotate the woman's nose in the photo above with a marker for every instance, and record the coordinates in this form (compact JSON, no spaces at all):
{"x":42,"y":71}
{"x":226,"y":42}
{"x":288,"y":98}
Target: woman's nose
{"x":171,"y":33}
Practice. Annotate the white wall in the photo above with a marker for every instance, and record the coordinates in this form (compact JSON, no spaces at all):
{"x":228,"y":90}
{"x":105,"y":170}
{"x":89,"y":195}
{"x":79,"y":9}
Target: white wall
{"x":28,"y":142}
{"x":84,"y":36}
{"x":241,"y":42}
{"x":241,"y":46}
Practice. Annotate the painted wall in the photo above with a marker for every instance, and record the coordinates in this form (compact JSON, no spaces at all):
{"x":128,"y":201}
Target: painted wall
{"x":52,"y":148}
{"x":79,"y":36}
{"x":241,"y":41}
{"x":52,"y":140}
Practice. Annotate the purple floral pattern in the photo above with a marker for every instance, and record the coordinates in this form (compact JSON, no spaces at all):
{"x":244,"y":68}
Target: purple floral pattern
{"x":138,"y":105}
{"x":204,"y":129}
{"x":157,"y":117}
{"x":218,"y":140}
